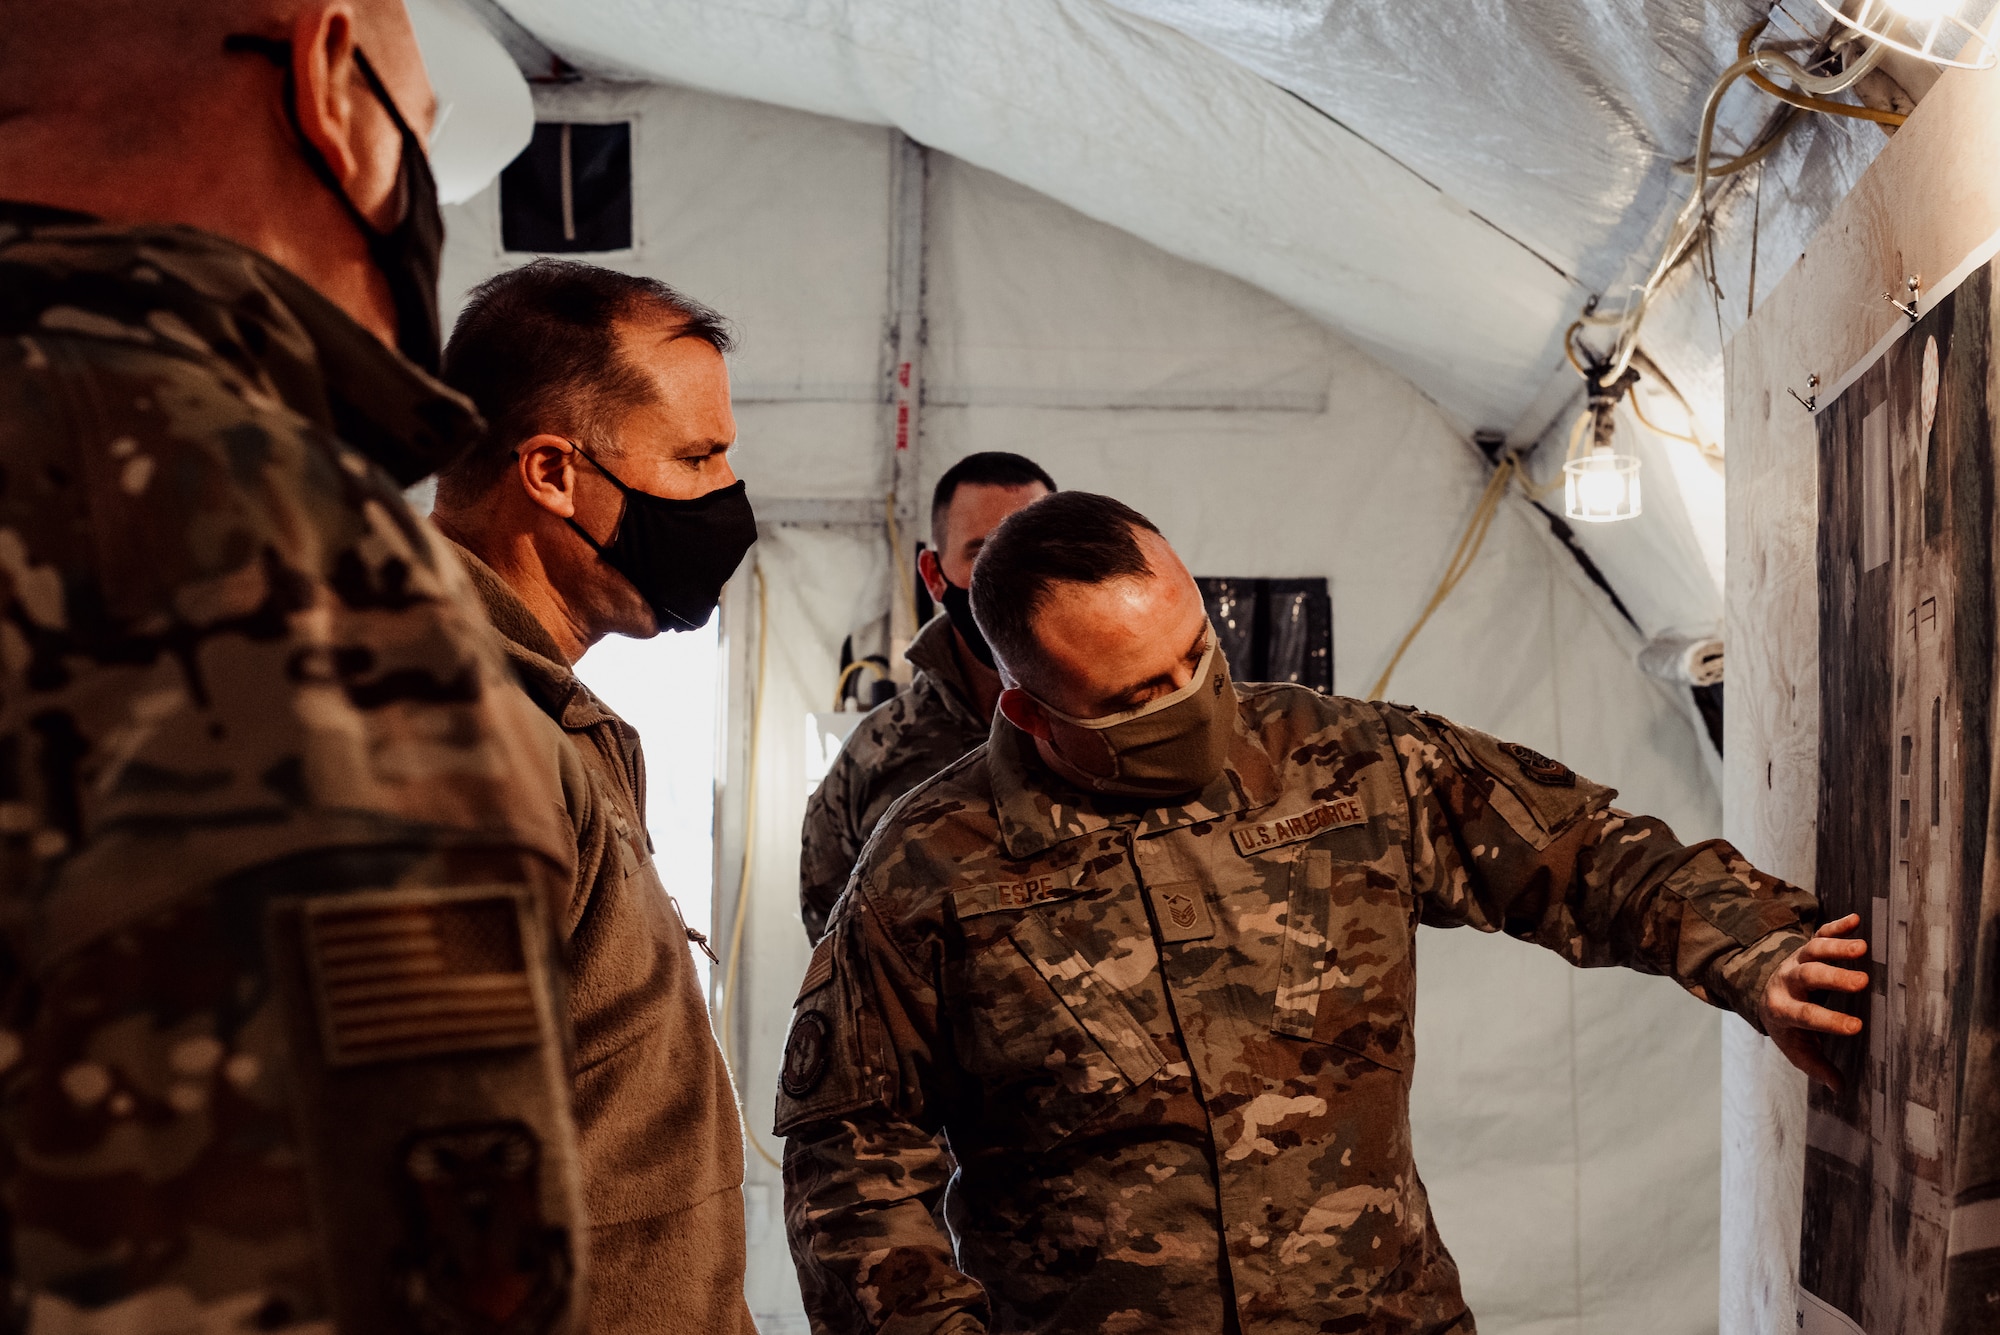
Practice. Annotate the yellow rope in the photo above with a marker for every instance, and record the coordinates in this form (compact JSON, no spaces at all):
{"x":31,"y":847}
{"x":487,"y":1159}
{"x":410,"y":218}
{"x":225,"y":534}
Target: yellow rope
{"x":749,"y":845}
{"x":847,"y":675}
{"x":1461,"y":561}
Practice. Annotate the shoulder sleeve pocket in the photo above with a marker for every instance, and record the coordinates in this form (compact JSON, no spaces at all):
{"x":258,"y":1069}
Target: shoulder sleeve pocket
{"x":834,"y":1052}
{"x":1537,"y":796}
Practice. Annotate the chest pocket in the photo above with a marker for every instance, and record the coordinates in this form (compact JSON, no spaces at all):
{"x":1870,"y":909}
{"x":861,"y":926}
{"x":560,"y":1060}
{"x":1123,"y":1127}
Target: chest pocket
{"x":1090,"y":999}
{"x":1048,"y":1065}
{"x":1345,"y":973}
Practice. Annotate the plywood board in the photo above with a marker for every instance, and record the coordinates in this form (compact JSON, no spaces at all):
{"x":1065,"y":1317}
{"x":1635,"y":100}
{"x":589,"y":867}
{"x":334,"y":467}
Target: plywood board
{"x":1928,"y":206}
{"x":1907,"y":621}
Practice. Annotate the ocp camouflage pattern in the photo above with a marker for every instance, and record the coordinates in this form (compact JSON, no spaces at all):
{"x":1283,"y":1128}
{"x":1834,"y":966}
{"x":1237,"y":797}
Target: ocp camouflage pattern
{"x":895,"y":748}
{"x":233,"y":666}
{"x":1162,"y":1057}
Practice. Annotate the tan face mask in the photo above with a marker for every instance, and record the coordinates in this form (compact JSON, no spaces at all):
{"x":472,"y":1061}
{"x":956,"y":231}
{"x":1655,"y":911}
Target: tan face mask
{"x":1169,"y":747}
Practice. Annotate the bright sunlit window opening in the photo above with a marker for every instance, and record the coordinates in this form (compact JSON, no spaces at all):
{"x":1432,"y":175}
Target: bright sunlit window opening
{"x":667,"y":688}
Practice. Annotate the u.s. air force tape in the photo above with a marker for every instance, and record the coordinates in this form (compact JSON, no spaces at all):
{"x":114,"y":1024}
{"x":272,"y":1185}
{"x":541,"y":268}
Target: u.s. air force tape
{"x":1290,"y":829}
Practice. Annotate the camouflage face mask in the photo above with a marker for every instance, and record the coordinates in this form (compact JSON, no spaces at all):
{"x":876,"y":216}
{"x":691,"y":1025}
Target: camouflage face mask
{"x":1168,"y":747}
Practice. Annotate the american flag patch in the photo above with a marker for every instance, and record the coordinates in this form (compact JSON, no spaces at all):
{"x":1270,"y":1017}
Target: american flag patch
{"x":415,"y":973}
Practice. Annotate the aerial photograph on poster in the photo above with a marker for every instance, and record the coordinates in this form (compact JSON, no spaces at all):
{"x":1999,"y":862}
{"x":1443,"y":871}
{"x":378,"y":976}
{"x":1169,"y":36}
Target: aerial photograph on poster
{"x":1901,"y":1232}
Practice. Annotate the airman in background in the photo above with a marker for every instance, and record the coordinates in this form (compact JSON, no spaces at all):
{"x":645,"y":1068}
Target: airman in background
{"x":948,"y":707}
{"x":1136,"y":979}
{"x":280,"y":1028}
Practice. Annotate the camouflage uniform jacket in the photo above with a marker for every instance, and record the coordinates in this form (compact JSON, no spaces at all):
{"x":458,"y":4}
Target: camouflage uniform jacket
{"x":240,"y":685}
{"x":1163,"y":1057}
{"x":895,"y":748}
{"x":661,"y":1141}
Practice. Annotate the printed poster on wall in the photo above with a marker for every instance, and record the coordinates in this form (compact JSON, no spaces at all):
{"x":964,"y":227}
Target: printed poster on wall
{"x":1901,"y":1229}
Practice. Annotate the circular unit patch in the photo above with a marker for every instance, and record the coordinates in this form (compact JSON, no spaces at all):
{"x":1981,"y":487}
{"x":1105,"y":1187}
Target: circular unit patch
{"x":806,"y":1054}
{"x":1548,"y":773}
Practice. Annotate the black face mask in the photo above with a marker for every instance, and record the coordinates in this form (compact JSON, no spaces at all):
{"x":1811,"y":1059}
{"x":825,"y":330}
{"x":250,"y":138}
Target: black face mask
{"x":678,"y":554}
{"x":958,"y":606}
{"x":408,"y":254}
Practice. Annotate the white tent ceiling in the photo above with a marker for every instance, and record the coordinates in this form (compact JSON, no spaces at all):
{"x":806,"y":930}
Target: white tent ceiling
{"x":1446,"y":184}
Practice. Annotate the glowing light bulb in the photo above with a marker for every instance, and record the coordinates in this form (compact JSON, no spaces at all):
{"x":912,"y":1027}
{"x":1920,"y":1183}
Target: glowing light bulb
{"x":1944,"y":32}
{"x":1601,"y":488}
{"x":1600,"y":493}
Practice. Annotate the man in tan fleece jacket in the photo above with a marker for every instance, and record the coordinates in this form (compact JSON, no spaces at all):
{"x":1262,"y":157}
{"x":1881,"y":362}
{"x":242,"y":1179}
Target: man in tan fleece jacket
{"x":603,"y":502}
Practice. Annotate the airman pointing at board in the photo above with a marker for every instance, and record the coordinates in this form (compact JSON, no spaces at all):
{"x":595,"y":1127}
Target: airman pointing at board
{"x":1137,"y":979}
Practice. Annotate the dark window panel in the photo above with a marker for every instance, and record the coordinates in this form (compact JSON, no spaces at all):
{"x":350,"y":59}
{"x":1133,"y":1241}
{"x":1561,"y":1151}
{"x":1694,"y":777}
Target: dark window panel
{"x":1273,"y":629}
{"x":570,"y":191}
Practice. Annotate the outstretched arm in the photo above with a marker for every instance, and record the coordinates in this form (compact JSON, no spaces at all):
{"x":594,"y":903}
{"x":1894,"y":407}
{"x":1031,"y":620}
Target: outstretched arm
{"x":1503,"y":839}
{"x":1794,"y":1022}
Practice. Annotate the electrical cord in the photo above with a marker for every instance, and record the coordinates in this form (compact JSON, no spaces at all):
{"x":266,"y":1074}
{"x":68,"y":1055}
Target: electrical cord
{"x":1632,"y":397}
{"x":730,"y":970}
{"x":1462,"y":558}
{"x":1569,"y":350}
{"x":1797,"y":102}
{"x":1693,"y":216}
{"x":1773,"y":137}
{"x":1541,"y":493}
{"x":1805,"y":101}
{"x":847,"y":675}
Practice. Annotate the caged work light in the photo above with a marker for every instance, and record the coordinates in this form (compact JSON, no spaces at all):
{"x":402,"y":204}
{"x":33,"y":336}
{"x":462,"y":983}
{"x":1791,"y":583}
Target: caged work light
{"x":1944,"y":32}
{"x":1601,"y":485}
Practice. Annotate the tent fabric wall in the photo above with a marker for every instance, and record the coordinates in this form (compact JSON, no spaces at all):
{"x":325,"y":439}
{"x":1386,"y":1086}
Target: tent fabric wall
{"x":1566,"y":1120}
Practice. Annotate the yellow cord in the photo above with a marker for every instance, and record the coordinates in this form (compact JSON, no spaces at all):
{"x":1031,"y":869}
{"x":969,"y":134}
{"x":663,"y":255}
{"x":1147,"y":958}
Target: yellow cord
{"x":749,"y":844}
{"x":1461,"y":561}
{"x":1806,"y":101}
{"x":1569,"y":351}
{"x":904,"y":584}
{"x":847,"y":675}
{"x":1632,"y":396}
{"x":1535,"y":493}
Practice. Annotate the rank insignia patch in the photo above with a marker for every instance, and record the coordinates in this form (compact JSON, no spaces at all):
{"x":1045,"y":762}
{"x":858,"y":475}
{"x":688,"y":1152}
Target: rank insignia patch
{"x":1549,"y":773}
{"x":1181,"y":909}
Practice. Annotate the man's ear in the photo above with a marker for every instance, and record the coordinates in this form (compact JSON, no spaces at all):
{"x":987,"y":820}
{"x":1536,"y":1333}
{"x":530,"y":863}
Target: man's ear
{"x":933,"y":573}
{"x":338,"y":114}
{"x":1024,"y":712}
{"x":545,"y":467}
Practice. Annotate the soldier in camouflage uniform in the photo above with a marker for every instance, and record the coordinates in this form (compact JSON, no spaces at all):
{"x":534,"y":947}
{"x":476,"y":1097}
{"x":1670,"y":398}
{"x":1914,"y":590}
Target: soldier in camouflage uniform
{"x":1159,"y":1042}
{"x":280,"y":1042}
{"x":948,"y":707}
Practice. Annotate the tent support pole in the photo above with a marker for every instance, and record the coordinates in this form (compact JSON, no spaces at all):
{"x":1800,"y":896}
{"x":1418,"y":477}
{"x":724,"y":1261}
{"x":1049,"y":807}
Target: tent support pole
{"x":908,"y":174}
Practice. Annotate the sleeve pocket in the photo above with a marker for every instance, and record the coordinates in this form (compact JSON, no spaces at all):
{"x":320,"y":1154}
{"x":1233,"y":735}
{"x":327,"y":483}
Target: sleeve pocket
{"x":1539,"y":797}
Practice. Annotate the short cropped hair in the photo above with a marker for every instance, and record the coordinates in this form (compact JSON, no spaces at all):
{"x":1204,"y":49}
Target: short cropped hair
{"x":988,"y":468}
{"x":537,"y":350}
{"x":1071,"y":537}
